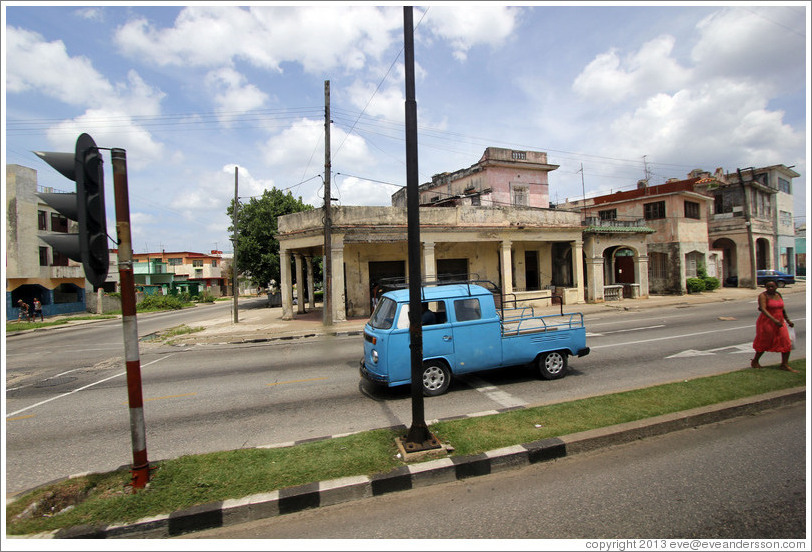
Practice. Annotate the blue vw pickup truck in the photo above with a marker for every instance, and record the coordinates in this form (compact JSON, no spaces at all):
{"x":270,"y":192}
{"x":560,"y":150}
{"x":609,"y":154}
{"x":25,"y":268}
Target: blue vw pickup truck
{"x":465,"y":331}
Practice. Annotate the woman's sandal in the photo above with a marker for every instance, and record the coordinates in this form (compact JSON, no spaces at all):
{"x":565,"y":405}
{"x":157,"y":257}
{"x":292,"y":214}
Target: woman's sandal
{"x":754,"y":364}
{"x":788,"y":368}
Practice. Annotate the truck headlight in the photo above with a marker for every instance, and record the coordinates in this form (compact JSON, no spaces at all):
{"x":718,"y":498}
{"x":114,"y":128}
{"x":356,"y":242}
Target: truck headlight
{"x":374,"y":356}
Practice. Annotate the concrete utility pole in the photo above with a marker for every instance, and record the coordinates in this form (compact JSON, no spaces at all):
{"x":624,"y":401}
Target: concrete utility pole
{"x":419,"y":437}
{"x":235,"y":284}
{"x":749,"y":224}
{"x":328,"y":239}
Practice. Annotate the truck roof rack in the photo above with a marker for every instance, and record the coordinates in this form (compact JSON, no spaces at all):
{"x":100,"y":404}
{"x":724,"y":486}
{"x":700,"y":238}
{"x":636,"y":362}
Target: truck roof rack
{"x":401,"y":282}
{"x":468,"y":279}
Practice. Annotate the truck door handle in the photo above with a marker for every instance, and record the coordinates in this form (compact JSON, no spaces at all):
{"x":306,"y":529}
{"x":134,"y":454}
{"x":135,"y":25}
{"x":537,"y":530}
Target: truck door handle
{"x":446,"y":338}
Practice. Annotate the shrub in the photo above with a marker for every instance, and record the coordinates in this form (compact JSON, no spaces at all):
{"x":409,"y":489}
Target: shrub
{"x":695,"y":285}
{"x":205,"y":297}
{"x":160,"y":302}
{"x":711,"y":283}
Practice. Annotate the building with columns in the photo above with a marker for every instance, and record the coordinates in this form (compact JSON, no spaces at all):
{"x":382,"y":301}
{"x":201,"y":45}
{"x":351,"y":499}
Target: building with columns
{"x":491,"y":221}
{"x":527,"y":252}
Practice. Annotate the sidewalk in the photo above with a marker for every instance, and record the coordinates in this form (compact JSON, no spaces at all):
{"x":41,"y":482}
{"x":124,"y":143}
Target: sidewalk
{"x":266,"y":323}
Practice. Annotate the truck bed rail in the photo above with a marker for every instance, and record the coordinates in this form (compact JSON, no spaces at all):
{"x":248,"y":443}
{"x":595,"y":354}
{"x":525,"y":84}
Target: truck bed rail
{"x":548,"y":323}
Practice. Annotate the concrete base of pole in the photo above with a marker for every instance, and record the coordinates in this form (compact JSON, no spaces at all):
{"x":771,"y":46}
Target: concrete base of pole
{"x":411,"y":453}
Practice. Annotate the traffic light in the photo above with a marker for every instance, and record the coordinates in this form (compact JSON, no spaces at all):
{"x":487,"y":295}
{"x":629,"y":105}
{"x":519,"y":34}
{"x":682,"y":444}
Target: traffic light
{"x":86,"y":206}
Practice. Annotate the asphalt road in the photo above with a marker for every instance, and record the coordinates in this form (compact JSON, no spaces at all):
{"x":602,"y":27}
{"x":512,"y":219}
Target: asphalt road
{"x":208,"y":398}
{"x":739,"y":479}
{"x":34,"y":356}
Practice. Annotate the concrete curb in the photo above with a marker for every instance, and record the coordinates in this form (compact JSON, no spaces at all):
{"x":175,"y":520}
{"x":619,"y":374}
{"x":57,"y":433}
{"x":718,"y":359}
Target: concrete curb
{"x":432,"y":472}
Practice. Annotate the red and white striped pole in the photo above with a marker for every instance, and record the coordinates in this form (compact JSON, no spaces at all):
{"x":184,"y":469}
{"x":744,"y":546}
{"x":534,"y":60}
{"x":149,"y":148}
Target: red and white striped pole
{"x":140,"y":467}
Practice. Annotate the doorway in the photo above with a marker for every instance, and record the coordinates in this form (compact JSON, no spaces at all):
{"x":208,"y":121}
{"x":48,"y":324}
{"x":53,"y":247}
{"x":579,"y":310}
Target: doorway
{"x":531,"y":270}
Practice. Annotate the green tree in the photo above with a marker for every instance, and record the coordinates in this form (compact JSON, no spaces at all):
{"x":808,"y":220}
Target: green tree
{"x":257,"y":246}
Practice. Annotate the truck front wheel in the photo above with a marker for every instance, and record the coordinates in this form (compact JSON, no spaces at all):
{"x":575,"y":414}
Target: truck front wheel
{"x":436,"y":378}
{"x":553,"y":365}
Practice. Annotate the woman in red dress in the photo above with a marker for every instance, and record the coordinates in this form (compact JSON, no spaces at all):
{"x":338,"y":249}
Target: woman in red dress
{"x":772,"y":334}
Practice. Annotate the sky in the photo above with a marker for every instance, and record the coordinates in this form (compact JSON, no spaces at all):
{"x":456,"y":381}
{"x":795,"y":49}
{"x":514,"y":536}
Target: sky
{"x":612,"y":93}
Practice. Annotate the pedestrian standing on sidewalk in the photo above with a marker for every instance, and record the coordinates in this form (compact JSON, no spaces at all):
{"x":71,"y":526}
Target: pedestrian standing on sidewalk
{"x":772,"y":333}
{"x":23,"y":306}
{"x":38,"y":310}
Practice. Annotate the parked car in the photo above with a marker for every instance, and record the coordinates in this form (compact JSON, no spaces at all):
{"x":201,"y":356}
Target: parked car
{"x":464,"y":331}
{"x":781,"y":278}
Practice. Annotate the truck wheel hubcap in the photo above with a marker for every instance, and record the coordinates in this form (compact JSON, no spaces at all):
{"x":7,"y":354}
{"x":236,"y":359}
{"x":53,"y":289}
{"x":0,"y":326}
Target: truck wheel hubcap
{"x":553,"y":364}
{"x":433,"y":378}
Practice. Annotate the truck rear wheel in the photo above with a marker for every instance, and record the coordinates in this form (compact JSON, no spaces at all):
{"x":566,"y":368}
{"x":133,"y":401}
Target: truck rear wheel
{"x":436,"y":378}
{"x":553,"y":365}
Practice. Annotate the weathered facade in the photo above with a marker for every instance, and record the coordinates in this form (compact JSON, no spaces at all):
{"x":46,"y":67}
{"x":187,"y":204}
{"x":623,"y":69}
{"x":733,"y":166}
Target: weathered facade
{"x":672,"y":220}
{"x":751,"y":221}
{"x":501,"y":178}
{"x":523,"y":251}
{"x":34,"y":269}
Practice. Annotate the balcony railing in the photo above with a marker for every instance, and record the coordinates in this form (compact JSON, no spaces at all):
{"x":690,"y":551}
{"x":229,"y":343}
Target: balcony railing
{"x":593,"y":221}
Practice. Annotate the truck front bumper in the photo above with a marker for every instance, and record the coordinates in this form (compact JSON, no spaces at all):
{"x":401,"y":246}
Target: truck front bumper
{"x":371,"y":376}
{"x":583,"y":352}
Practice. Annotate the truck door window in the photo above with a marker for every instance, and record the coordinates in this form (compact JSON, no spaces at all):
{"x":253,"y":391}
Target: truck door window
{"x":384,"y":314}
{"x":467,"y":309}
{"x":433,"y":313}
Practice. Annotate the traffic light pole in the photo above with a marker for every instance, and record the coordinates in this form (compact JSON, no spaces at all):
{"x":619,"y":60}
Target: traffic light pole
{"x":140,"y":467}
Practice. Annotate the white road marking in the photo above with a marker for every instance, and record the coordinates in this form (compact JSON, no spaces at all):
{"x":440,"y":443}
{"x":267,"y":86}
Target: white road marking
{"x":494,"y":393}
{"x":82,"y":388}
{"x":681,"y":336}
{"x":626,"y":343}
{"x":634,"y":329}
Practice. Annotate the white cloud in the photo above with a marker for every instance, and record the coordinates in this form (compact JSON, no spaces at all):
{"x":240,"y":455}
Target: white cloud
{"x":93,"y":14}
{"x":32,"y":64}
{"x":206,"y":195}
{"x":232,"y":93}
{"x":140,"y":219}
{"x":46,"y":68}
{"x":471,"y":26}
{"x":304,"y":139}
{"x":109,"y":128}
{"x":355,"y":191}
{"x":686,"y":126}
{"x":762,"y":43}
{"x":320,"y":38}
{"x":650,"y":69}
{"x":388,"y":102}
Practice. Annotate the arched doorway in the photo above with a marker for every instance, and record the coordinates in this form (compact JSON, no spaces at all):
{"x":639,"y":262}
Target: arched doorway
{"x":624,"y":266}
{"x":730,"y":273}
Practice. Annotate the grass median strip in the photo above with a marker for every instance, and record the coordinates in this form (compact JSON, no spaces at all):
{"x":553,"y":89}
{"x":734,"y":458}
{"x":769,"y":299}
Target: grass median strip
{"x":99,"y":499}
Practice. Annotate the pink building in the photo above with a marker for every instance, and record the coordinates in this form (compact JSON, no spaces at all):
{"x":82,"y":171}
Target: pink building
{"x":501,"y":178}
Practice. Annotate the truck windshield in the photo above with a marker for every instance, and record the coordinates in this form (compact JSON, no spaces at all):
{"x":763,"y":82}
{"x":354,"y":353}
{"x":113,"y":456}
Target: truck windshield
{"x":384,"y":314}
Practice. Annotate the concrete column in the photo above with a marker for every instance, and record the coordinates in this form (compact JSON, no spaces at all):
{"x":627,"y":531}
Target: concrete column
{"x":521,"y":272}
{"x":310,"y":295}
{"x":429,"y":263}
{"x":641,"y":273}
{"x":507,"y":267}
{"x":594,"y":279}
{"x":285,"y":285}
{"x":300,"y":303}
{"x":339,"y":296}
{"x":578,"y":268}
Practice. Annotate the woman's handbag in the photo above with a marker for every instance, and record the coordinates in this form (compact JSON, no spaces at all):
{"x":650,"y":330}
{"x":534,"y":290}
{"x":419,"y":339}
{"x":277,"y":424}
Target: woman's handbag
{"x":791,"y":330}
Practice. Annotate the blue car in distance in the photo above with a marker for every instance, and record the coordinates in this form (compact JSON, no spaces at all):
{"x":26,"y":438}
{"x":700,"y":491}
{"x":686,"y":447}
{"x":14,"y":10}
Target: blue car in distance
{"x":781,"y":278}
